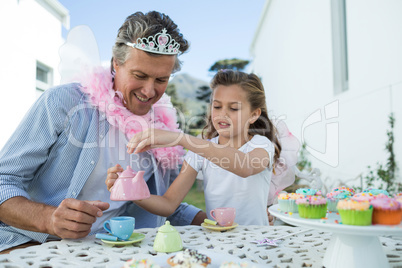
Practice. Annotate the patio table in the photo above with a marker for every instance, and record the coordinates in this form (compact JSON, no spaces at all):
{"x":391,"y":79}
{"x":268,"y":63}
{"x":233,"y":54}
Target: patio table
{"x":301,"y":250}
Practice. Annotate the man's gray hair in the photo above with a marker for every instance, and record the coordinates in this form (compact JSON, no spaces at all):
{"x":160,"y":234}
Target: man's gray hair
{"x":139,"y":25}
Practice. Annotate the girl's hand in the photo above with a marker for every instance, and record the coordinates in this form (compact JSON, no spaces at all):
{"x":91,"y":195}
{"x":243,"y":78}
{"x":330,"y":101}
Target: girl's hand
{"x":153,"y":138}
{"x":112,"y":176}
{"x":271,"y":218}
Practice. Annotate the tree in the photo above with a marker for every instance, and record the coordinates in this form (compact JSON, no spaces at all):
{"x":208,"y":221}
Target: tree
{"x":172,"y":92}
{"x":177,"y":103}
{"x":203,"y":93}
{"x":234,"y":64}
{"x":385,"y":175}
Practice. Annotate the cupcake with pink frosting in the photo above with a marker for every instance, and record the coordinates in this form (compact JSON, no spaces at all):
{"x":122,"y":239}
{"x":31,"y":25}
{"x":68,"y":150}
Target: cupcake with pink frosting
{"x":367,"y":196}
{"x":386,"y":211}
{"x":363,"y":197}
{"x":398,"y":197}
{"x":312,"y":207}
{"x":337,"y":194}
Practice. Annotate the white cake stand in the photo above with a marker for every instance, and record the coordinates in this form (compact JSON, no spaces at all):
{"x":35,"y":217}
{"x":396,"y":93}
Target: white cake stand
{"x":350,"y":246}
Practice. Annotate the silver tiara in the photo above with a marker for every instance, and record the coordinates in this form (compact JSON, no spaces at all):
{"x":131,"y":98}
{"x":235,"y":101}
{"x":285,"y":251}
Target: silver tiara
{"x":160,"y":43}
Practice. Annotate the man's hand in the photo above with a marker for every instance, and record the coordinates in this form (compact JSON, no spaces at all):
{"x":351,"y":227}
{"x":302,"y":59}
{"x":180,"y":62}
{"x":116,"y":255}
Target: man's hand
{"x":74,"y":218}
{"x":71,"y":219}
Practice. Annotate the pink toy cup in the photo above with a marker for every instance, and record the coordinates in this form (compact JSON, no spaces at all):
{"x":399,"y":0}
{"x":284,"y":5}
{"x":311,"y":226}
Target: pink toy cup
{"x":224,"y":216}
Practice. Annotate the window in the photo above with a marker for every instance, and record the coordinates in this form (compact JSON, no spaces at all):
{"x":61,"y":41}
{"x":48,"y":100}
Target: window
{"x":339,"y":46}
{"x":44,"y":76}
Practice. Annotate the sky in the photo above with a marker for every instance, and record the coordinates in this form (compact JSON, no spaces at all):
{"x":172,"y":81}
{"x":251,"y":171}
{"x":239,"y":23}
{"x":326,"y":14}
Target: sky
{"x":216,"y":29}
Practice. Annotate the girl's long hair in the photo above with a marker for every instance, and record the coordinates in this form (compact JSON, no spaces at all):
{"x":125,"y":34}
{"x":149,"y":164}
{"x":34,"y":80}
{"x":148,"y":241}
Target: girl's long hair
{"x":254,"y":89}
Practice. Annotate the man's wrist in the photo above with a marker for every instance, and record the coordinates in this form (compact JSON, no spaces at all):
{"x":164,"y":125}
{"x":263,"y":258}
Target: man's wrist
{"x":47,"y":220}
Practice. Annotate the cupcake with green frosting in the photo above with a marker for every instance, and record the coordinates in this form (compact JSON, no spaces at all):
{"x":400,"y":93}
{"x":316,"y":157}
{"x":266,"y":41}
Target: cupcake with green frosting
{"x":312,"y":207}
{"x":307,"y":191}
{"x":376,"y":192}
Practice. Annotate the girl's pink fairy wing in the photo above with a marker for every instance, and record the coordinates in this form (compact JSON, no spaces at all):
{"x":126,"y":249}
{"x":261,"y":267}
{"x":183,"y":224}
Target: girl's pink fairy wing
{"x":284,"y":175}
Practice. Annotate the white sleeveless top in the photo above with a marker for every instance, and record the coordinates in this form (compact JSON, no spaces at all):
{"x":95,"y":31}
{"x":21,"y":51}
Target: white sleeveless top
{"x":225,"y":189}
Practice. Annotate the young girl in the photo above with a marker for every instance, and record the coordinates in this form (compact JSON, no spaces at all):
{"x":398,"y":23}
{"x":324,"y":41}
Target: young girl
{"x":236,"y":161}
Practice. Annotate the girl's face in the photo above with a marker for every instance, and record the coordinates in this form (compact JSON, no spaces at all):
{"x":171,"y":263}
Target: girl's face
{"x":231,"y":113}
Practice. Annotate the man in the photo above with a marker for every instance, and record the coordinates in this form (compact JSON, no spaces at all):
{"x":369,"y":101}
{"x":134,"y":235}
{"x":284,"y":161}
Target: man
{"x":52,"y":169}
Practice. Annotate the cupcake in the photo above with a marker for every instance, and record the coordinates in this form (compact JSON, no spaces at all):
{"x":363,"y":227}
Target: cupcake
{"x":189,"y":258}
{"x":398,"y":197}
{"x":231,"y":264}
{"x":306,"y":191}
{"x":143,"y":263}
{"x":188,"y":265}
{"x":386,"y":211}
{"x":344,"y":188}
{"x":363,"y":197}
{"x":287,"y":202}
{"x":376,"y":192}
{"x":312,"y":207}
{"x":355,"y":213}
{"x":337,"y":194}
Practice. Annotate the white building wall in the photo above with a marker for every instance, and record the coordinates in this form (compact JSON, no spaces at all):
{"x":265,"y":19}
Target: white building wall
{"x":292,"y":53}
{"x":30,"y":33}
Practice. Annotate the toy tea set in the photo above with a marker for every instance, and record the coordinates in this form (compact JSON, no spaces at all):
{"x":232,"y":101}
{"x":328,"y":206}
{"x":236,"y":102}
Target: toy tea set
{"x":223,"y":219}
{"x":121,"y":233}
{"x":130,"y":186}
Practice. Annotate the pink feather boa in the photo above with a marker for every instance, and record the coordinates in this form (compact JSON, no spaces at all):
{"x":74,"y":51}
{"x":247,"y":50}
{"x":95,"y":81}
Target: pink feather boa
{"x":99,"y":86}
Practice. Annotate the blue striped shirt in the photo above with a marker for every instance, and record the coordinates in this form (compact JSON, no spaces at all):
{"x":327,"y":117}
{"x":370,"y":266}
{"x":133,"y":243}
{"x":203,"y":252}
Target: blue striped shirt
{"x":53,"y":152}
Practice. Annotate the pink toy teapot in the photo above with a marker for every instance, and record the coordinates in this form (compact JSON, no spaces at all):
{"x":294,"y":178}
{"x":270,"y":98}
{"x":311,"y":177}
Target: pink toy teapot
{"x":130,"y":186}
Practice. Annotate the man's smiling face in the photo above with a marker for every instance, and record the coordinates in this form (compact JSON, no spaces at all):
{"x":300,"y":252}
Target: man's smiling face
{"x":143,"y":79}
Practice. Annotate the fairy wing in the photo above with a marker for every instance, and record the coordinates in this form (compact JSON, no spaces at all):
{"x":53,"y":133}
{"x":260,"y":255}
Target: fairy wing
{"x":284,"y":175}
{"x":79,"y":53}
